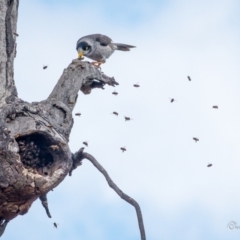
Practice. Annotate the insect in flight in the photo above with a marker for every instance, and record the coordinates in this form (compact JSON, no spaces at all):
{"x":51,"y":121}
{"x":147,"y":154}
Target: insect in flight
{"x":195,"y":139}
{"x":123,"y":149}
{"x":172,"y":100}
{"x":136,"y":85}
{"x":55,"y":225}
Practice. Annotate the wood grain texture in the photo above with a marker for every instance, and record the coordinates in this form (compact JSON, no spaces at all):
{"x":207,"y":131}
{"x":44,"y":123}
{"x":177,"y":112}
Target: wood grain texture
{"x":34,"y":152}
{"x":8,"y":23}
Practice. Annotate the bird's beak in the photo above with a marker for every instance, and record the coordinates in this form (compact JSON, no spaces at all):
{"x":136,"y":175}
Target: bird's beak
{"x":80,"y":55}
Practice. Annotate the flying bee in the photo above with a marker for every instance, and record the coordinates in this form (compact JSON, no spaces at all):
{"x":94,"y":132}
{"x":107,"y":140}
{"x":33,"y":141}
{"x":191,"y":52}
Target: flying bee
{"x":45,"y":67}
{"x":209,"y":165}
{"x":16,"y":34}
{"x":115,"y":93}
{"x":127,"y":118}
{"x":215,"y":106}
{"x":85,"y":143}
{"x":55,"y":224}
{"x":115,"y":113}
{"x":172,"y":100}
{"x":123,"y":149}
{"x":195,"y":139}
{"x":136,"y":85}
{"x":189,"y":78}
{"x":77,"y":114}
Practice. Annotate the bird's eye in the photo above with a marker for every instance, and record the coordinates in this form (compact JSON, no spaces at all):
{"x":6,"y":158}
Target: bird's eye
{"x":86,"y":48}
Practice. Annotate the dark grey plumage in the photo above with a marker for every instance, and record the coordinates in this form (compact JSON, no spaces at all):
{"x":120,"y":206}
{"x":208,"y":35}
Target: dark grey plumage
{"x":99,"y":47}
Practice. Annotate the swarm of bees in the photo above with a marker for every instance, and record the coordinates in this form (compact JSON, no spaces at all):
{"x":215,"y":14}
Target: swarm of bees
{"x":34,"y":155}
{"x":136,"y":85}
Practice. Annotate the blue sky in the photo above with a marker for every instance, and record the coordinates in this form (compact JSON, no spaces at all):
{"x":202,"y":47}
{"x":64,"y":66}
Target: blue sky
{"x":117,"y":13}
{"x":163,"y":169}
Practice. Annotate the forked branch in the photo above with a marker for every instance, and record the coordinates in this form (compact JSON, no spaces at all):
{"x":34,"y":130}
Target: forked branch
{"x":77,"y":159}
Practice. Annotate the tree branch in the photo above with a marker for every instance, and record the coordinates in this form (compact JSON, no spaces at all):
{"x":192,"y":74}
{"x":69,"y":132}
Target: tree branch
{"x":78,"y":76}
{"x":44,"y":201}
{"x":77,"y":159}
{"x":8,"y":24}
{"x":34,"y":152}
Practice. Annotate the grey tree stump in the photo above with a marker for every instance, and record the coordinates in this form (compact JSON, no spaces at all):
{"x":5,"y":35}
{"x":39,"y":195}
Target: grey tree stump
{"x":34,"y":152}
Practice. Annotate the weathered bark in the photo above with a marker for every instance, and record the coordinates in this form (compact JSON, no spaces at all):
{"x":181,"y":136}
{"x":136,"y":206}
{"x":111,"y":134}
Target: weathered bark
{"x":34,"y":152}
{"x":77,"y":161}
{"x":8,"y":25}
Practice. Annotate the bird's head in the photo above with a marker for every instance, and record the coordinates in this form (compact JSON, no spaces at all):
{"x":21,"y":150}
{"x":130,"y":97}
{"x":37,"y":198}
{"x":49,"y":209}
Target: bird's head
{"x":83,"y":48}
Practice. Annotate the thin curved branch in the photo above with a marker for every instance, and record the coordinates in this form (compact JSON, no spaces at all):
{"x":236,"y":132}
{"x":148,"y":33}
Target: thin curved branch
{"x":80,"y":155}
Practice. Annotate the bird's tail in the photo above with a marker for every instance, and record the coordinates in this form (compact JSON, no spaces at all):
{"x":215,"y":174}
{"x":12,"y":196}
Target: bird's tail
{"x":123,"y":47}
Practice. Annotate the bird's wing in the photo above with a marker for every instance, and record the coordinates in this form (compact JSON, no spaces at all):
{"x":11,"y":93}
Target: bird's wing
{"x":102,"y":39}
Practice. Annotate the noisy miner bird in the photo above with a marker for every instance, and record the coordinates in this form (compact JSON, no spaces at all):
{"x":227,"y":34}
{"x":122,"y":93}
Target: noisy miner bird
{"x":99,"y":47}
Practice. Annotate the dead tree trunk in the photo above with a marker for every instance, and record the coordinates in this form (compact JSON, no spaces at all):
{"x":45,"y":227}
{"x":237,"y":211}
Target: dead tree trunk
{"x":34,"y":152}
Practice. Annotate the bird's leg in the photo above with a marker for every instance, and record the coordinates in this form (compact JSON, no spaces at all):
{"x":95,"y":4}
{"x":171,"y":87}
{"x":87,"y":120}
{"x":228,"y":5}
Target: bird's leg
{"x":97,"y":64}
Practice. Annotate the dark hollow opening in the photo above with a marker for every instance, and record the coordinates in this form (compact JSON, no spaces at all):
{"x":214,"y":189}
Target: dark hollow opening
{"x":35,"y":152}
